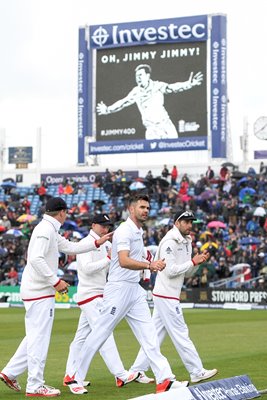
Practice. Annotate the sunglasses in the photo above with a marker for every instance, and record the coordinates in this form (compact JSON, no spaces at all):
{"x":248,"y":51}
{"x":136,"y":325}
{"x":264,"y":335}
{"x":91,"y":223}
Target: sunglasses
{"x":186,"y":214}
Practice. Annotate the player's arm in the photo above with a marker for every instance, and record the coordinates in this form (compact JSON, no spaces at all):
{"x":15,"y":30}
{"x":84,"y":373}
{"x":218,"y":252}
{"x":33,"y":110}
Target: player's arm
{"x":173,"y":266}
{"x":127,"y":262}
{"x":194,"y":80}
{"x":88,"y":266}
{"x":103,"y":109}
{"x":84,"y":245}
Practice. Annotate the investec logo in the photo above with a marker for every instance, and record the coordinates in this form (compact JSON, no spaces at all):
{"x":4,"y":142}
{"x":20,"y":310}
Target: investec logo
{"x":171,"y":32}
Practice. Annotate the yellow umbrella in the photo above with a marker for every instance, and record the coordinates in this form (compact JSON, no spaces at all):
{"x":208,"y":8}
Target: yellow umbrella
{"x":26,"y":218}
{"x":205,"y":234}
{"x":208,"y":244}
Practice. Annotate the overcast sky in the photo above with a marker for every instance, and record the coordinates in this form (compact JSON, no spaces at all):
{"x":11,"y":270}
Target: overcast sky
{"x":39,"y":47}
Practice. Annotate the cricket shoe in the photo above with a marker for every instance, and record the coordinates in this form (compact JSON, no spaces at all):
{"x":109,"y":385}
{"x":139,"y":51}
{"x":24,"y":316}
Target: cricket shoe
{"x":77,"y":388}
{"x":204,"y":374}
{"x":11,"y":383}
{"x":142,"y":378}
{"x":44,"y":391}
{"x":71,"y":379}
{"x":169,"y":384}
{"x":130,"y":378}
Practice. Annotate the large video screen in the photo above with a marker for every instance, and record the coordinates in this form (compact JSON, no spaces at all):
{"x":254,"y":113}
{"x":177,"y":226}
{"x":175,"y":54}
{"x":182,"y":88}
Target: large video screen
{"x":152,"y":86}
{"x":151,"y":92}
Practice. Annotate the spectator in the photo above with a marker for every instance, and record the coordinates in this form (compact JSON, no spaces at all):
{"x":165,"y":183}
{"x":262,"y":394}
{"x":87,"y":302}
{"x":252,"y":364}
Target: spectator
{"x":60,"y":189}
{"x":209,"y":173}
{"x":149,"y":176}
{"x":68,"y":189}
{"x":174,"y":175}
{"x":11,"y":278}
{"x":165,"y":172}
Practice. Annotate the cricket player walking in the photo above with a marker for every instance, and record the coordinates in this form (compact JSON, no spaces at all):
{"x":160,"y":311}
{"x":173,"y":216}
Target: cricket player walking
{"x":176,"y":249}
{"x":125,"y":298}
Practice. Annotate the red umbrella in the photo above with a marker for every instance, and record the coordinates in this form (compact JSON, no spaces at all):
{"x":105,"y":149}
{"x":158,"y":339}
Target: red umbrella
{"x":216,"y":224}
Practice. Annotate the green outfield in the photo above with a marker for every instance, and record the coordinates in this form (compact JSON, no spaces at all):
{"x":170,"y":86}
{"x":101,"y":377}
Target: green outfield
{"x":232,"y":341}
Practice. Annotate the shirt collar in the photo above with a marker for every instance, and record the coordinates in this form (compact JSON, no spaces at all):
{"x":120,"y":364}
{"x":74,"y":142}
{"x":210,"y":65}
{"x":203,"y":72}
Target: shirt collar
{"x":180,"y":237}
{"x":56,"y":224}
{"x":134,"y":226}
{"x":93,"y":234}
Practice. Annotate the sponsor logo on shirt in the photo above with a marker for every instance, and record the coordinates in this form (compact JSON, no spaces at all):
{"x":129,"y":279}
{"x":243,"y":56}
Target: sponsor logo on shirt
{"x":168,"y":250}
{"x":113,"y":310}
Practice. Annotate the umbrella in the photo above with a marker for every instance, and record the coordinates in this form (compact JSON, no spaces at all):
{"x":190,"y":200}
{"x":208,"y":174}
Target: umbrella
{"x":229,"y":164}
{"x":246,"y":191}
{"x":14,"y":232}
{"x":137,"y":185}
{"x":245,"y":241}
{"x":163,"y":183}
{"x":216,"y":224}
{"x":205,"y":234}
{"x":242,"y":180}
{"x":259,"y":212}
{"x":209,"y":244}
{"x":70,"y":225}
{"x":99,"y":202}
{"x":208,"y":194}
{"x":239,"y":266}
{"x":8,"y":184}
{"x":164,"y":221}
{"x":77,"y":235}
{"x":26,"y":218}
{"x":198,"y":221}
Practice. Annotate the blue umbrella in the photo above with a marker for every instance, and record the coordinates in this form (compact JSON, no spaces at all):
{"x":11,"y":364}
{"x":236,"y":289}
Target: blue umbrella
{"x":8,"y":184}
{"x":246,"y":241}
{"x":70,"y":225}
{"x":242,"y":180}
{"x":14,"y":232}
{"x":246,"y":191}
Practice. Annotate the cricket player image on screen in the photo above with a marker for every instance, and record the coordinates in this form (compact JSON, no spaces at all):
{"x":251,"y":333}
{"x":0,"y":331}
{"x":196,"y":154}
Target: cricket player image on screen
{"x":149,"y":98}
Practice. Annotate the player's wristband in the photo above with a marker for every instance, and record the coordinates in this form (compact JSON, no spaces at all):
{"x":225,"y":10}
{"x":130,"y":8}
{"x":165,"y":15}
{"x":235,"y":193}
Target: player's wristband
{"x":194,"y":263}
{"x":58,"y":282}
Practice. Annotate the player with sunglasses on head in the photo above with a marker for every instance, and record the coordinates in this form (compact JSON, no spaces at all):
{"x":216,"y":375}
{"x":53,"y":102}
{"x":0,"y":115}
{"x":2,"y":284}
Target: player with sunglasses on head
{"x":176,"y":249}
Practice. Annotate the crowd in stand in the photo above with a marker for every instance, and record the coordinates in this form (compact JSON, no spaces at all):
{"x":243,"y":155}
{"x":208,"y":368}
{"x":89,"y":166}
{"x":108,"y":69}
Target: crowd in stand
{"x":235,"y":203}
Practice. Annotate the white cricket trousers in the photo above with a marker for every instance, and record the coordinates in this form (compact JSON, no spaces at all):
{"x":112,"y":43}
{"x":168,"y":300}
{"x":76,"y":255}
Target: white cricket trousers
{"x":168,"y":318}
{"x":124,"y":299}
{"x":109,"y":352}
{"x":32,"y":351}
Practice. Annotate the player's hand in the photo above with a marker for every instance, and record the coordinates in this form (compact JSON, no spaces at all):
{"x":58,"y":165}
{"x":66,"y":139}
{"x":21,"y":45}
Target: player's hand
{"x":158,"y":265}
{"x":62,"y":287}
{"x":104,"y":238}
{"x":200,"y":258}
{"x":197,"y":79}
{"x":102,"y":108}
